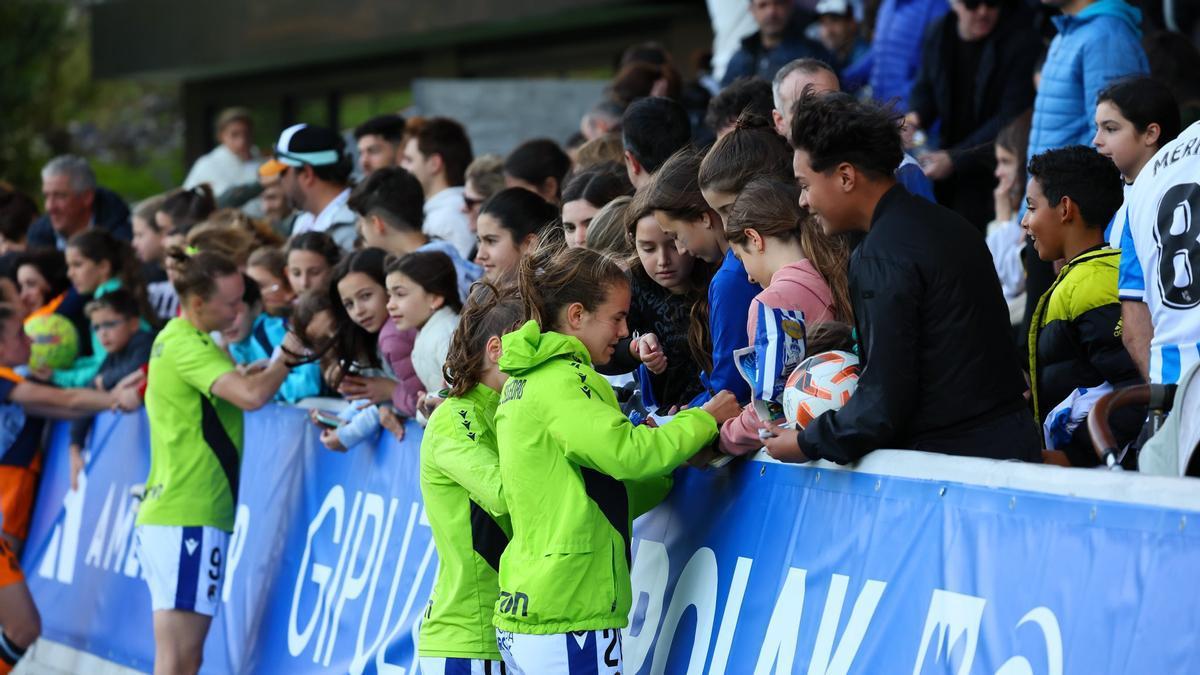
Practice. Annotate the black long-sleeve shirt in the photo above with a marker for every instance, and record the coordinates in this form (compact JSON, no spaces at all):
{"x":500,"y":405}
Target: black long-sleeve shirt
{"x":936,"y":359}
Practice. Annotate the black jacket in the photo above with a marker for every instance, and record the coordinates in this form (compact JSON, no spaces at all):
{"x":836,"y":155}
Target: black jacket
{"x":654,"y":309}
{"x":753,"y":60}
{"x":1003,"y":90}
{"x":109,"y":212}
{"x":937,"y":361}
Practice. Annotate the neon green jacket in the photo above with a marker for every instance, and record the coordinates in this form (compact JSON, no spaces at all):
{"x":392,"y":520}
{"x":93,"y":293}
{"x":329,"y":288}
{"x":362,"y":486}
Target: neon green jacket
{"x":460,"y":483}
{"x":565,"y":447}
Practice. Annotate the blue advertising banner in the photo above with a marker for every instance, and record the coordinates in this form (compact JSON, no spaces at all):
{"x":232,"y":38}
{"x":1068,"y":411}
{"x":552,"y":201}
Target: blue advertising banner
{"x":756,"y":568}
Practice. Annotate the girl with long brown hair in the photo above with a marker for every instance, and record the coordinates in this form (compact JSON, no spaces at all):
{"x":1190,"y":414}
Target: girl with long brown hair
{"x":674,"y":199}
{"x":801,"y":270}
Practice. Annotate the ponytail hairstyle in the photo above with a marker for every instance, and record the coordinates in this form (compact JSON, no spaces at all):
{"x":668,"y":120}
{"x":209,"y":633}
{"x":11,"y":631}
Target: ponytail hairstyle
{"x":353,"y":344}
{"x":675,"y":190}
{"x":490,"y":311}
{"x":433,"y":271}
{"x":752,"y":149}
{"x":196,"y":275}
{"x":553,"y":277}
{"x":185,"y":208}
{"x":772,"y":208}
{"x":99,"y":246}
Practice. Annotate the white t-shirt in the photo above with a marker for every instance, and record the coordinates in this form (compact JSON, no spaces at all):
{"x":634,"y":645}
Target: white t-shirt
{"x":1160,"y":254}
{"x":444,"y":219}
{"x":222,"y":169}
{"x":335,"y":212}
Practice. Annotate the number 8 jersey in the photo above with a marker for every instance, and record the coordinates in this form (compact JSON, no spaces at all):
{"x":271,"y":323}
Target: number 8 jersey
{"x":1160,"y":254}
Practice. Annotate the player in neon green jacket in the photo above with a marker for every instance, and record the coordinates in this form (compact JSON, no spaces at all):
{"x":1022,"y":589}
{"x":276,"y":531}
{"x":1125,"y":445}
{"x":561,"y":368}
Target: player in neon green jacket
{"x":575,"y":470}
{"x":460,"y":484}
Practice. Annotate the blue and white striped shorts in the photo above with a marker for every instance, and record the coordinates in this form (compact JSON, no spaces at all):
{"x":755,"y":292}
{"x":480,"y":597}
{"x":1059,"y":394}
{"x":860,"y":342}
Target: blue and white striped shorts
{"x":595,"y":652}
{"x":184,"y":566}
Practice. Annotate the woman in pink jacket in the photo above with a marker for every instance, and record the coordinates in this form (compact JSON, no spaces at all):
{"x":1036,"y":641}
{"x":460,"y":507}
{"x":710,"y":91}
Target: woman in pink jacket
{"x":803,"y":275}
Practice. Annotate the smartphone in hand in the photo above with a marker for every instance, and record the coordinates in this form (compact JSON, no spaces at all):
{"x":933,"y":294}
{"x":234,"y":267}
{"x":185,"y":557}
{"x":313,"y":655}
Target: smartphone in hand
{"x":326,"y":419}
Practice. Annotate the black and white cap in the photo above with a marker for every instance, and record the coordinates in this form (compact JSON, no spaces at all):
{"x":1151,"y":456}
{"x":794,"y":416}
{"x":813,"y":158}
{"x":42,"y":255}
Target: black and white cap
{"x":302,"y":144}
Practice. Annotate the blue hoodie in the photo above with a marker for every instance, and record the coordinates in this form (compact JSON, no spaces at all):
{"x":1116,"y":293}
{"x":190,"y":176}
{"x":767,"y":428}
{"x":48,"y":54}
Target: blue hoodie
{"x":1100,"y":44}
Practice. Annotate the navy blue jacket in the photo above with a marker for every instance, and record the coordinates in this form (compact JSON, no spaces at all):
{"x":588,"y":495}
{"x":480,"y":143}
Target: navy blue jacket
{"x":109,"y":212}
{"x":752,"y":60}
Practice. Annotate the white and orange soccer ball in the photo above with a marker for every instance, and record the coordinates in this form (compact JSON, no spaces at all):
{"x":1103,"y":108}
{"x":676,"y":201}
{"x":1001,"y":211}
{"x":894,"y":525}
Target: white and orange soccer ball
{"x":821,"y":383}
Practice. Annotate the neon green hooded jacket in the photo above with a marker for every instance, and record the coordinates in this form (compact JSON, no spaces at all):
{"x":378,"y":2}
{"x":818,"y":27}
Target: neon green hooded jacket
{"x":565,"y":448}
{"x":460,"y":483}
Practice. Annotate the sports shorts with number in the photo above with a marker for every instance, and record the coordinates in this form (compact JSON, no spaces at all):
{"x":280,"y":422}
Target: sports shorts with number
{"x":438,"y":665}
{"x":593,"y":651}
{"x":184,"y":566}
{"x":195,"y":460}
{"x":1160,"y":254}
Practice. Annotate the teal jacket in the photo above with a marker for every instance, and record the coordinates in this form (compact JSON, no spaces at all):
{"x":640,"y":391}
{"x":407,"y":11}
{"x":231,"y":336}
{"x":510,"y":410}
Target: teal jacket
{"x":575,"y":473}
{"x":83,"y":372}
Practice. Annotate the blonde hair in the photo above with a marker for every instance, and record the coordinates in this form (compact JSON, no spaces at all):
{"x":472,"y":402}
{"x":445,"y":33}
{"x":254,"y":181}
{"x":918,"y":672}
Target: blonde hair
{"x":608,"y":232}
{"x":232,"y":242}
{"x":606,"y":148}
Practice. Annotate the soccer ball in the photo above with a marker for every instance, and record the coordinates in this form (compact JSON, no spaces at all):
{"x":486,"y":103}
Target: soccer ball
{"x":55,"y":341}
{"x":821,"y":383}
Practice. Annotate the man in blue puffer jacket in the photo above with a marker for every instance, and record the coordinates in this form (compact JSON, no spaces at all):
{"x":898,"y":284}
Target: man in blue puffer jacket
{"x":891,"y":65}
{"x":1098,"y":41}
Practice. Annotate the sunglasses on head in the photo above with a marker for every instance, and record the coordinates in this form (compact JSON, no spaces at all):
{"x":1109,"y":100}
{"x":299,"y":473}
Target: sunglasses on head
{"x":974,"y":4}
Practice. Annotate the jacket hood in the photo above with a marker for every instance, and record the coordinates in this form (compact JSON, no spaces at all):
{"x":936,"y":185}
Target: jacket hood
{"x":1115,"y":8}
{"x":528,"y":347}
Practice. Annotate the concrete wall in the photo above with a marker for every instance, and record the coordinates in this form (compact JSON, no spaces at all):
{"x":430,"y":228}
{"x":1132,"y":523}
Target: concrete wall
{"x":500,"y":113}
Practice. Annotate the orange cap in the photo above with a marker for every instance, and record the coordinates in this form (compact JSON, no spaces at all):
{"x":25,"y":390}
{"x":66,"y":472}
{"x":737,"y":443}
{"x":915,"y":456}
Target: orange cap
{"x":271,"y":168}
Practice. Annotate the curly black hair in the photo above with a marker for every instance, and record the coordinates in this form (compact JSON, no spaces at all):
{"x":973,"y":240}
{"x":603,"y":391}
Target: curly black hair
{"x":834,"y":128}
{"x":1088,"y":178}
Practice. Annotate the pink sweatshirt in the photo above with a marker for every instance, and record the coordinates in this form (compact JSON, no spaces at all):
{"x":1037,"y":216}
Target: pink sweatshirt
{"x":797,"y":286}
{"x":395,"y":347}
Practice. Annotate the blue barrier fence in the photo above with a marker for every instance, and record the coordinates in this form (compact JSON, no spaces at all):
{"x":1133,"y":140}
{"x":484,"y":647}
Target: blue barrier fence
{"x":755,"y":568}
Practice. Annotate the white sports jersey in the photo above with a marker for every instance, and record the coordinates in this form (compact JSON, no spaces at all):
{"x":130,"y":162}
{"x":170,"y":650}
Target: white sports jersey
{"x":1160,"y":254}
{"x":1116,"y":227}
